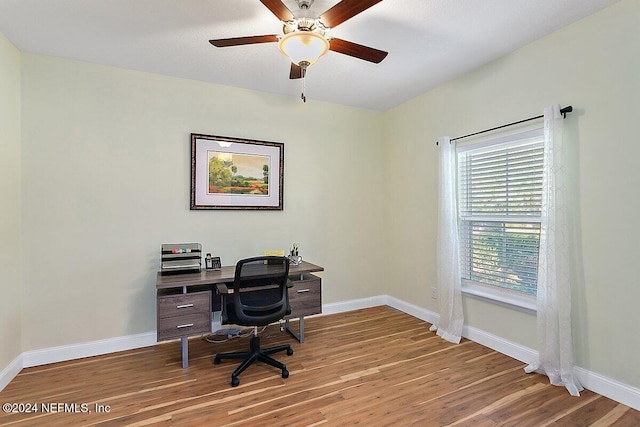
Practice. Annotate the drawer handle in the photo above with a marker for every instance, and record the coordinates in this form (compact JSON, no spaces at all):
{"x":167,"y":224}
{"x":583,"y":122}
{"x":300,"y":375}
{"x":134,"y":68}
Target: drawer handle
{"x":301,"y":291}
{"x":184,"y":306}
{"x":188,"y":325}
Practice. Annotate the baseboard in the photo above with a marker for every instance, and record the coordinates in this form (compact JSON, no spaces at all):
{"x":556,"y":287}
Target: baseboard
{"x":501,"y":345}
{"x":356,"y":304}
{"x":511,"y":349}
{"x":9,"y":373}
{"x":615,"y":390}
{"x":414,"y":310}
{"x":87,"y":349}
{"x":494,"y":342}
{"x":595,"y":382}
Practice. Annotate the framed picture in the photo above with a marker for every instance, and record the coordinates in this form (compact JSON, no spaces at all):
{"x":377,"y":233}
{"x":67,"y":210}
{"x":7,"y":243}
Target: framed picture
{"x":234,"y":173}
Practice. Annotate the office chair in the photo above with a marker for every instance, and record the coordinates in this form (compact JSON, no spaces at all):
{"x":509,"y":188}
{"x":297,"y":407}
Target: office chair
{"x":259,"y":298}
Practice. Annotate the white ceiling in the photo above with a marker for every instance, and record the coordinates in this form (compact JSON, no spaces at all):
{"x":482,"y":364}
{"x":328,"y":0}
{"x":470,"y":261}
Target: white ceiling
{"x":429,"y":41}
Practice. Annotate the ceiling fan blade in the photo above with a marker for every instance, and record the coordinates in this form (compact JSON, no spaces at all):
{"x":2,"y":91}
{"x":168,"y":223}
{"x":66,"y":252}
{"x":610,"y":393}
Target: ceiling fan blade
{"x":357,"y":50}
{"x":295,"y":72}
{"x":279,"y":9}
{"x":344,"y":10}
{"x":238,"y":41}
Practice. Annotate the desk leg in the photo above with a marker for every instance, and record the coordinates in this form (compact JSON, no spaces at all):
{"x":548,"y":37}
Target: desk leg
{"x":184,"y":347}
{"x":300,"y":335}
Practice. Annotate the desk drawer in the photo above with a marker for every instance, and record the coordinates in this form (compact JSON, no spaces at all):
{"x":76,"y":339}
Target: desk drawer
{"x":305,"y":297}
{"x":180,"y":326}
{"x":184,"y":304}
{"x":182,"y":315}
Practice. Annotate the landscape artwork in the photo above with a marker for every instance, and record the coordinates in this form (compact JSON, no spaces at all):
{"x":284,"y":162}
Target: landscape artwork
{"x":241,"y":174}
{"x":236,"y":173}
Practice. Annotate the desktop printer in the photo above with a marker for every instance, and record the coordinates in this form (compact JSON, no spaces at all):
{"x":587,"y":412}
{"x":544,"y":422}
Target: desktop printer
{"x":181,"y":258}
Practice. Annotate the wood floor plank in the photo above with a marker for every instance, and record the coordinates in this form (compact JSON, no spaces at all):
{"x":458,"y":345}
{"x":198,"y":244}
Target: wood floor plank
{"x":374,"y":367}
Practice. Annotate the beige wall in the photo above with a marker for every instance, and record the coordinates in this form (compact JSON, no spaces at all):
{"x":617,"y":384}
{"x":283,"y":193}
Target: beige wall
{"x":593,"y":65}
{"x":106,"y":161}
{"x":10,"y":184}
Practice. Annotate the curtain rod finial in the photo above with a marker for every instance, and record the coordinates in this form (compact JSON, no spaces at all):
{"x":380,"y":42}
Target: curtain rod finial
{"x":564,"y":111}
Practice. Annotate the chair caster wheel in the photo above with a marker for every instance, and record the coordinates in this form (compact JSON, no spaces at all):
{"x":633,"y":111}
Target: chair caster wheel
{"x":235,"y":381}
{"x":216,"y":361}
{"x":285,"y":373}
{"x":289,"y":351}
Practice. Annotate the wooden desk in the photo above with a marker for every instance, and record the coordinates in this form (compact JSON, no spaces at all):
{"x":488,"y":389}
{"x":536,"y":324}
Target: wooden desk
{"x":184,"y":302}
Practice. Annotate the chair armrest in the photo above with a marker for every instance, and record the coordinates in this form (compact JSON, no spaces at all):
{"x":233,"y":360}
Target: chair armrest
{"x":222,"y":288}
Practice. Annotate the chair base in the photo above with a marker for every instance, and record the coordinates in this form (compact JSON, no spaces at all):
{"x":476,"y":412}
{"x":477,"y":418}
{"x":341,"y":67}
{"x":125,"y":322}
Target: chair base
{"x":255,"y":354}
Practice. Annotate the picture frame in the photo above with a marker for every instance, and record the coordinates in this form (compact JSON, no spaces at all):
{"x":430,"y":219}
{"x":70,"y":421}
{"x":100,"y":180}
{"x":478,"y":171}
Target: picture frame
{"x":236,"y":174}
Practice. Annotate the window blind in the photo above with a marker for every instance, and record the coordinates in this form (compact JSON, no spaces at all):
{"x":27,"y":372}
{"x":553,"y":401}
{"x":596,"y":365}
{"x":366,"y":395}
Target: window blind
{"x":499,"y":203}
{"x":503,"y":182}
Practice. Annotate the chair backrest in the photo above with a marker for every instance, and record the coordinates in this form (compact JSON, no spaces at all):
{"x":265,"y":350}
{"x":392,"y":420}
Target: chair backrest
{"x":260,"y":290}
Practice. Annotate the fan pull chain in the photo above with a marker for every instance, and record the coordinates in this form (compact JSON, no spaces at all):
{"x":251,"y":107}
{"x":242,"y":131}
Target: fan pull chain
{"x":303,"y":96}
{"x":304,"y":82}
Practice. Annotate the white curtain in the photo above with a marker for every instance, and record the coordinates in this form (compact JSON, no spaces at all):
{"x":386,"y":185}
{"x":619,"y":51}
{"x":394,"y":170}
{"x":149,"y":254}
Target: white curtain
{"x":451,"y":318}
{"x":555,"y":351}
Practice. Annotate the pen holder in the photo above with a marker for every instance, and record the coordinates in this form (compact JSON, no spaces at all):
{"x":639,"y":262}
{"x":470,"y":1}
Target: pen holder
{"x":295,"y":259}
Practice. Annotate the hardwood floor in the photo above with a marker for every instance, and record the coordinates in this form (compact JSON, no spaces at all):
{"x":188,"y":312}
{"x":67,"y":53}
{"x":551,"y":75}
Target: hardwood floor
{"x":374,"y":367}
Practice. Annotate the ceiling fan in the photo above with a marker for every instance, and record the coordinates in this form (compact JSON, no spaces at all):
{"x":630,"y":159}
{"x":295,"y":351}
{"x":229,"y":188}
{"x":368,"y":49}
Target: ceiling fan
{"x":305,"y":34}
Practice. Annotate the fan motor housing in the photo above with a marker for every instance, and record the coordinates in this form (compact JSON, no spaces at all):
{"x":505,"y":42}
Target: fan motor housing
{"x":304,"y":24}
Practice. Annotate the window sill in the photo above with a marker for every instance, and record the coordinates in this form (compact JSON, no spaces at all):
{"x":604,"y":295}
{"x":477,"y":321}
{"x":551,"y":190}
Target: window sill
{"x":504,"y":298}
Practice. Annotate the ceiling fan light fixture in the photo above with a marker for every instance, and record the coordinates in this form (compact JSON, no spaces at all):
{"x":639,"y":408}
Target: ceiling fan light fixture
{"x":303,"y":46}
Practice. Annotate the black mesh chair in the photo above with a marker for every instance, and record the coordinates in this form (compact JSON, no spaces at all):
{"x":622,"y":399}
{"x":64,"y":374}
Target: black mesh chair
{"x":259,"y":298}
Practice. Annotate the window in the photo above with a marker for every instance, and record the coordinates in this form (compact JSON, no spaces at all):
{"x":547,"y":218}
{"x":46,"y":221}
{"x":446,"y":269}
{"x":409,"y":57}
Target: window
{"x":499,"y":207}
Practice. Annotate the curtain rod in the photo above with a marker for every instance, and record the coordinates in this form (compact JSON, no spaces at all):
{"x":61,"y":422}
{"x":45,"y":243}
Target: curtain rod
{"x":563,"y":111}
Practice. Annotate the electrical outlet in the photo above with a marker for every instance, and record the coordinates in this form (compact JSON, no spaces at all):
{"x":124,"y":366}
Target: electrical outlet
{"x":434,"y":293}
